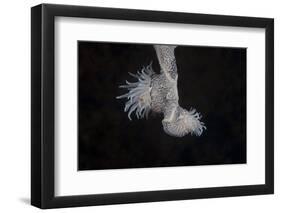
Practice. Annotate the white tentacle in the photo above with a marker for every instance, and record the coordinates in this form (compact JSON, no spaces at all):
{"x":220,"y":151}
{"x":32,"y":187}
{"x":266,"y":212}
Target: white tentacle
{"x":138,"y":94}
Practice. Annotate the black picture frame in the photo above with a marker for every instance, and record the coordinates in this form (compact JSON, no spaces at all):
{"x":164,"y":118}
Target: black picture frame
{"x":43,"y":111}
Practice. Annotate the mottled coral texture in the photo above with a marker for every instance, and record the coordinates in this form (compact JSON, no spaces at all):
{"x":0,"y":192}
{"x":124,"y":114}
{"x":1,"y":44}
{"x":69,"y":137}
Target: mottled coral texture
{"x":159,"y":93}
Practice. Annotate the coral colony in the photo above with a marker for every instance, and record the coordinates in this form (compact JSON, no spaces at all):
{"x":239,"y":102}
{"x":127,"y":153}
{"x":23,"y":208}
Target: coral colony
{"x":159,"y":93}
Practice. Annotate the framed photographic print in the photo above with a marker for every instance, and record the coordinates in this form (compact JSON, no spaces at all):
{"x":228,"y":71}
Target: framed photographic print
{"x":139,"y":106}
